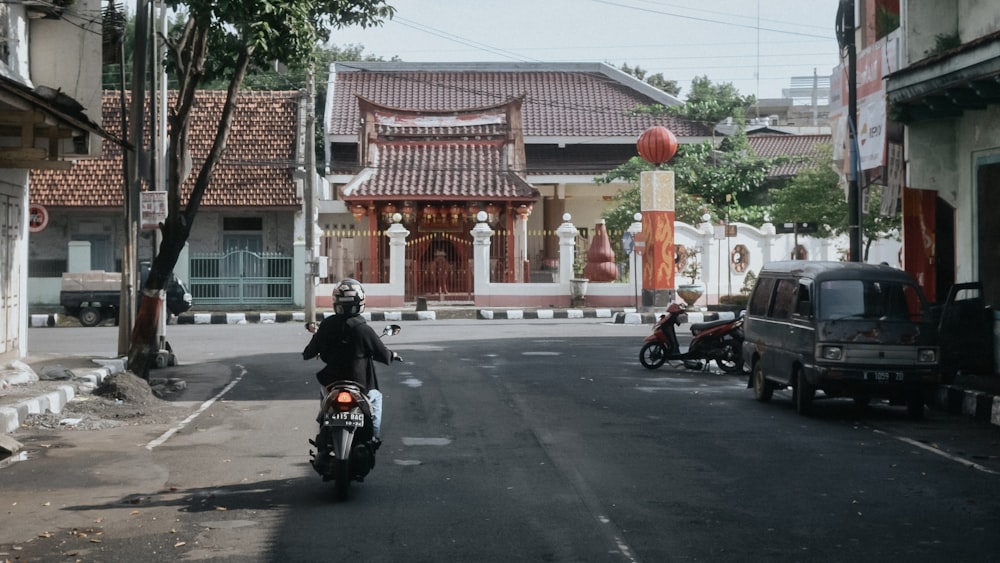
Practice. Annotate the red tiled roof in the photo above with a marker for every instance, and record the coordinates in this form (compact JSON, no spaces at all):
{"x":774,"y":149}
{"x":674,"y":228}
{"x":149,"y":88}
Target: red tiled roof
{"x":558,"y":103}
{"x":256,"y":169}
{"x":442,"y":170}
{"x":771,"y":146}
{"x":442,"y":155}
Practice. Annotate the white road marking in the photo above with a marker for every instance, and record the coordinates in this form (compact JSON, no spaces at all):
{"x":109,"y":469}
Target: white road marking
{"x":933,"y":450}
{"x":426,"y":441}
{"x":204,"y":406}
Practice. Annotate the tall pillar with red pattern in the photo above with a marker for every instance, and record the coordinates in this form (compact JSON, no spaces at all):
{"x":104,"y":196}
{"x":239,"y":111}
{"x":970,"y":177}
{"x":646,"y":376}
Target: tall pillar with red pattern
{"x":657,"y":145}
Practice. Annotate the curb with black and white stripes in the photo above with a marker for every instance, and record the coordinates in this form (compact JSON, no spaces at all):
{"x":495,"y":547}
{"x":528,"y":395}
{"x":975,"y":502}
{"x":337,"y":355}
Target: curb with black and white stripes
{"x":620,"y":316}
{"x":13,"y":415}
{"x":978,"y":405}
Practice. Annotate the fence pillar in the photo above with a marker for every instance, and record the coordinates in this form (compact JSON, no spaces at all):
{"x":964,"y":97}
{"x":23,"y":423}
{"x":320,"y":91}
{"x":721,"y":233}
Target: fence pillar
{"x":397,"y":234}
{"x":636,"y":272}
{"x":710,"y":260}
{"x":481,"y":235}
{"x":299,"y":272}
{"x":769,"y":233}
{"x":567,"y":248}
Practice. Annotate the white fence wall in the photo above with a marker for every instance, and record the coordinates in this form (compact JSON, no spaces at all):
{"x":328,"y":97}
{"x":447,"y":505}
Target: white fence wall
{"x":718,"y":273}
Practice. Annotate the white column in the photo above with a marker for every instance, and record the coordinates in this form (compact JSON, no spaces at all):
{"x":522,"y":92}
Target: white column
{"x":520,"y":246}
{"x":300,"y":271}
{"x":567,"y":248}
{"x":769,"y":233}
{"x":397,"y":234}
{"x":481,"y":235}
{"x":636,"y":273}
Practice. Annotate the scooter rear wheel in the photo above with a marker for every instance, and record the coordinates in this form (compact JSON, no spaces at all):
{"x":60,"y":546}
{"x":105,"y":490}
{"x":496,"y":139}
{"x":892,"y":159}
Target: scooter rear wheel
{"x":653,"y":355}
{"x":342,"y":478}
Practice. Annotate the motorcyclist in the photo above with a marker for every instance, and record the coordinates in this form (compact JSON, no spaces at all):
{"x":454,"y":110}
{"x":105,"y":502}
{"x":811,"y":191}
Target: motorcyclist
{"x":349,"y":346}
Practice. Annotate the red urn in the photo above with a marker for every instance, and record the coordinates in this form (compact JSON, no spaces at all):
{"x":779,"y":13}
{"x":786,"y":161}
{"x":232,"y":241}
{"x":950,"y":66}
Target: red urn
{"x":600,"y":265}
{"x":657,"y":145}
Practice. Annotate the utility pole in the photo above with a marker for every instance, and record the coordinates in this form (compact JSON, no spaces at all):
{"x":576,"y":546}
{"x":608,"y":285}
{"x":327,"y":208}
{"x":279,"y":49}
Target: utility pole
{"x":133,"y":181}
{"x":853,"y":187}
{"x":310,"y":196}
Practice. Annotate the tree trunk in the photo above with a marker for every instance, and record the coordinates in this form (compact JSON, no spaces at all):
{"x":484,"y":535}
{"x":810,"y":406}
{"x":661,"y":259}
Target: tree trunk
{"x":177,"y":227}
{"x":144,"y":345}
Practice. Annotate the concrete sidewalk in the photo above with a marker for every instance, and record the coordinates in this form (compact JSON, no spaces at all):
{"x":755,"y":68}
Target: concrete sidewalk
{"x":39,"y":386}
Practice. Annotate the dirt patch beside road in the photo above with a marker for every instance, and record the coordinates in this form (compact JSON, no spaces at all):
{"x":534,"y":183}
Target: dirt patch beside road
{"x":121,"y":400}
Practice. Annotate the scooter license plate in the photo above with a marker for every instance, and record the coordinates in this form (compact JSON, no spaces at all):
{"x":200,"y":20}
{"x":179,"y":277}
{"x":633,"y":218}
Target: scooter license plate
{"x":349,"y":419}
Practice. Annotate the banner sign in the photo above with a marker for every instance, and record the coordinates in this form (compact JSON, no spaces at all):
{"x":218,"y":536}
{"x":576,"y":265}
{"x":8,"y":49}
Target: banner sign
{"x":153,"y":206}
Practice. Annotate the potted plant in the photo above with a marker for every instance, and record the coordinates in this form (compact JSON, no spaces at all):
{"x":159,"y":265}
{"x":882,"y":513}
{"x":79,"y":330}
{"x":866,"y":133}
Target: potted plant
{"x":689,"y":266}
{"x":578,"y":283}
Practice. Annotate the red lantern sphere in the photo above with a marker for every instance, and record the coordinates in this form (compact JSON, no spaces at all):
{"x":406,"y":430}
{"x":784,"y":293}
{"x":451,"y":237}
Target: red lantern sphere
{"x":657,"y":145}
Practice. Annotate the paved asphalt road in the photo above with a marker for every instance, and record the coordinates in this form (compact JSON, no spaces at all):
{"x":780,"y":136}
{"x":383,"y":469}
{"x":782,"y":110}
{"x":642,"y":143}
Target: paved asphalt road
{"x":504,"y":441}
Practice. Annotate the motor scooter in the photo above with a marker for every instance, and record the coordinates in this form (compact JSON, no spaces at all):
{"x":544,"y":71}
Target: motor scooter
{"x":346,"y":444}
{"x":719,"y":341}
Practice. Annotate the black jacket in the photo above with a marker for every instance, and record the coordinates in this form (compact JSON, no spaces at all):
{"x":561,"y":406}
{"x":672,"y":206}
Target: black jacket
{"x":347,"y":345}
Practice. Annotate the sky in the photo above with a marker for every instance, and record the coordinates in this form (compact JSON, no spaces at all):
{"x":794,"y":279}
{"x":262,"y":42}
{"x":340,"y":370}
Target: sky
{"x":757,"y":45}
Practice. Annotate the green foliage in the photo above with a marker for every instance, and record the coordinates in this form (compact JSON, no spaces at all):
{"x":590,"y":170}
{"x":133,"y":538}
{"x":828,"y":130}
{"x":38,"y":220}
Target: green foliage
{"x":815,"y":195}
{"x":944,"y":42}
{"x":749,"y":280}
{"x":886,"y":21}
{"x":692,"y":269}
{"x":286,"y":30}
{"x":706,"y":103}
{"x":656,"y":80}
{"x":706,"y":181}
{"x":712,"y":103}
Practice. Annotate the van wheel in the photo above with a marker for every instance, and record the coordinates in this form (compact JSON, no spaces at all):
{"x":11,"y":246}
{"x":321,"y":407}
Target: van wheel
{"x":803,"y":394}
{"x":763,"y":389}
{"x":90,"y":316}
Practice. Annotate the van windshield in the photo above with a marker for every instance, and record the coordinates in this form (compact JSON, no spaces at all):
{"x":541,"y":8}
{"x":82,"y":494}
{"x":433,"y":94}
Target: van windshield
{"x":858,"y":299}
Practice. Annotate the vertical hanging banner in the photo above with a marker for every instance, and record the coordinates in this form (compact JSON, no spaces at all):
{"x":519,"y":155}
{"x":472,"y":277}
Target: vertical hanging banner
{"x":153,"y":209}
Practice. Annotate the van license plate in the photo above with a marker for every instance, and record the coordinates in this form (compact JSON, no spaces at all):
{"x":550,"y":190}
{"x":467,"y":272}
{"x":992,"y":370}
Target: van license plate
{"x":884,"y":376}
{"x":349,"y":419}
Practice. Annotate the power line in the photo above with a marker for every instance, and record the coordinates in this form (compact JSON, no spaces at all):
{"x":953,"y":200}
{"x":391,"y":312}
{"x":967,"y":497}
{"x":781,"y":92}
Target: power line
{"x":709,"y":20}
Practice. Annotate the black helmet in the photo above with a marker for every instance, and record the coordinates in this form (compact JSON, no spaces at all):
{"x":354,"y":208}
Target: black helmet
{"x":349,"y":298}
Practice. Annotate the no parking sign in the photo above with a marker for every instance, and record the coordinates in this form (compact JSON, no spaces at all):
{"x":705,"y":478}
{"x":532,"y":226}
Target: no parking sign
{"x":38,"y":218}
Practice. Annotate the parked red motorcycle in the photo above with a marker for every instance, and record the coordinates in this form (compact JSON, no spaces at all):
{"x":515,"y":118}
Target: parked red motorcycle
{"x":719,"y":341}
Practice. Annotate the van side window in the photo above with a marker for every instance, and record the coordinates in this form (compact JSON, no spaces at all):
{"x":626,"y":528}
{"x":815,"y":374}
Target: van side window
{"x":761,"y":297}
{"x":784,"y":299}
{"x":803,"y":304}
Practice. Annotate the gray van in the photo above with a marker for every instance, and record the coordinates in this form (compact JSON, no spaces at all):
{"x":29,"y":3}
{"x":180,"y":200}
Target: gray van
{"x":847,"y":329}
